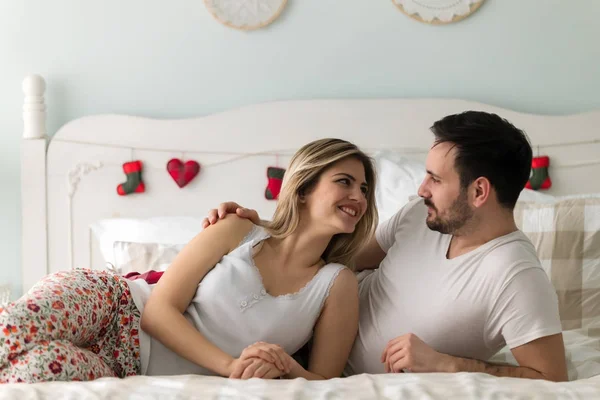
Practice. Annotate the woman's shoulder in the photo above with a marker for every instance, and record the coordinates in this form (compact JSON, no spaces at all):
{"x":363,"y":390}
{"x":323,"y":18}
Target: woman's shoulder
{"x":252,"y":231}
{"x":340,"y":268}
{"x":229,"y":231}
{"x":232,"y":224}
{"x":341,"y":277}
{"x":342,"y":285}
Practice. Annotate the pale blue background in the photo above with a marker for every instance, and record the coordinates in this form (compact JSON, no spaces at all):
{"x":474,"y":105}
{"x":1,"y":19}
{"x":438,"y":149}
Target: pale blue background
{"x":172,"y":59}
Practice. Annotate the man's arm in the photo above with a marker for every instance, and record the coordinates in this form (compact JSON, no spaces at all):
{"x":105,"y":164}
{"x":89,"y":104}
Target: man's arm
{"x":230,"y":207}
{"x":543,"y":358}
{"x":370,"y":256}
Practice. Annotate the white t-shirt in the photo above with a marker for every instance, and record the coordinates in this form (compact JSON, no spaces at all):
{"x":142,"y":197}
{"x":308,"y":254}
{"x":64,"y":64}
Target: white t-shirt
{"x":469,"y":306}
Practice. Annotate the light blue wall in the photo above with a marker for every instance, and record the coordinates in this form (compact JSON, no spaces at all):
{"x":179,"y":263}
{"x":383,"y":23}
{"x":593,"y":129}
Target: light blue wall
{"x":171,"y":59}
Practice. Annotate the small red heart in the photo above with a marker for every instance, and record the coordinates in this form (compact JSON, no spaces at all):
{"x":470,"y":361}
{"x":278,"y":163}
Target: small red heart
{"x":182,"y":173}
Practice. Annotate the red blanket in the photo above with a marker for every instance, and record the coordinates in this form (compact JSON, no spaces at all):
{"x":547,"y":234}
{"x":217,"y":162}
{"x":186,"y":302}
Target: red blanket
{"x":151,"y":276}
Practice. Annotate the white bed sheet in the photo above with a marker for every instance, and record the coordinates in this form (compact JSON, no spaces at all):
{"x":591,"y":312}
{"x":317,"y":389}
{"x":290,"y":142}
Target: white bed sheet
{"x":583,"y":354}
{"x":389,"y":386}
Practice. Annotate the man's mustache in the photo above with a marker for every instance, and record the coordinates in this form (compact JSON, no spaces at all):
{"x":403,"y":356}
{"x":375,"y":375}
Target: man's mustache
{"x":429,"y":204}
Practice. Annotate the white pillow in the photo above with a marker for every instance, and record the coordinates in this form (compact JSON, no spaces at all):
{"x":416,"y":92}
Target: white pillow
{"x":156,"y":232}
{"x":535,"y":196}
{"x":142,"y":257}
{"x":399,"y":178}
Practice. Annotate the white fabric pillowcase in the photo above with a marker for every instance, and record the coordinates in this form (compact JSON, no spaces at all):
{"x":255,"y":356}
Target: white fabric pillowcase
{"x":398,"y":180}
{"x":528,"y":195}
{"x":140,"y":244}
{"x":533,"y":196}
{"x":142,"y":257}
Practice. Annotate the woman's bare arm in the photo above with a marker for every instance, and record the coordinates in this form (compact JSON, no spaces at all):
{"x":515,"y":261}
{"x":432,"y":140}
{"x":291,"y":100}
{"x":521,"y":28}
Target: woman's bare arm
{"x":163,"y":314}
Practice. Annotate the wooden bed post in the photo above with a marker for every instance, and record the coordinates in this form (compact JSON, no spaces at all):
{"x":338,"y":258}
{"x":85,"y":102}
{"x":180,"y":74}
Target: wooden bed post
{"x":34,"y":239}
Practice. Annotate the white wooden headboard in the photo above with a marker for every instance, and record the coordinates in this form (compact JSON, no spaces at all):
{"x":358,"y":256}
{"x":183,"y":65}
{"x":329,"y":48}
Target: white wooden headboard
{"x":70,"y":179}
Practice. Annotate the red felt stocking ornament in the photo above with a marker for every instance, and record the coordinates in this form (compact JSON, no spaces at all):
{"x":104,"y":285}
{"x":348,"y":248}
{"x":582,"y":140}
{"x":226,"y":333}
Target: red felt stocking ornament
{"x":134,"y":183}
{"x":539,"y":174}
{"x":275,"y":178}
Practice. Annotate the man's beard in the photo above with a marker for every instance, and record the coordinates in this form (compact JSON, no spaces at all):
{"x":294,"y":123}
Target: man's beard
{"x":459,"y":214}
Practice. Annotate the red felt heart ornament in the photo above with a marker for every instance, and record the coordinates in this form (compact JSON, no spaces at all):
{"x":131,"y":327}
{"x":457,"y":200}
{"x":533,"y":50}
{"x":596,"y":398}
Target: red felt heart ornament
{"x":182,"y":173}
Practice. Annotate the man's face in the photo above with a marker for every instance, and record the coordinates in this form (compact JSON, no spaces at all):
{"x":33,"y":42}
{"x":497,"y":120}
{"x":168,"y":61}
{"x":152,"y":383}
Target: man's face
{"x":448,"y":207}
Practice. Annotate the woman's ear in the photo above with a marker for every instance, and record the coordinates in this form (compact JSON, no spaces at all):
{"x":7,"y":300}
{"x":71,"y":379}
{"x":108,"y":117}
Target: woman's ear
{"x":301,"y":196}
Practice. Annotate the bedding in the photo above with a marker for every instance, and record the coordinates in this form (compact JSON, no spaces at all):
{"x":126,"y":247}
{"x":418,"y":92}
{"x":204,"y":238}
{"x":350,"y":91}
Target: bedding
{"x":141,"y":257}
{"x":398,"y":178}
{"x":566,"y":235}
{"x":385,"y":386}
{"x":142,"y":244}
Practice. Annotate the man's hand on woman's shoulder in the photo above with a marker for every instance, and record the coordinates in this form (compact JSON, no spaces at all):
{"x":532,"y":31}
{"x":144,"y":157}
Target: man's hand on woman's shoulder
{"x":229,"y":207}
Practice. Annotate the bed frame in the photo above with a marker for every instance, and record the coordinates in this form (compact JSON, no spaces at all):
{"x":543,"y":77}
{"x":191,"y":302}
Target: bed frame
{"x":69,"y":179}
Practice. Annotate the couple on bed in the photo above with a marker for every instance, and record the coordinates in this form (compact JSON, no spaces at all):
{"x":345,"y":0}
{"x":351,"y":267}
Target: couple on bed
{"x":445,"y":283}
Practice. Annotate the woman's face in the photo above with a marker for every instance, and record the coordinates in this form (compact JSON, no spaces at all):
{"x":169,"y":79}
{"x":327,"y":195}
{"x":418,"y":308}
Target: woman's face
{"x":338,"y":201}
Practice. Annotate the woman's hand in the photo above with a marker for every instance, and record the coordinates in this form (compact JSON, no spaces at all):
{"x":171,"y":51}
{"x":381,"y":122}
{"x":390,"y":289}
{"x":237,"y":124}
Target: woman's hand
{"x":270,"y":353}
{"x":254,"y":368}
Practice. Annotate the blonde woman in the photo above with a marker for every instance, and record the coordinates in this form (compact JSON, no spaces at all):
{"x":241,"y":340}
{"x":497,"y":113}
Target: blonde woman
{"x":236,"y":302}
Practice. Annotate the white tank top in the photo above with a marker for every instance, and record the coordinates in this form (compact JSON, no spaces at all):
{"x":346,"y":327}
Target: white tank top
{"x":232,"y":310}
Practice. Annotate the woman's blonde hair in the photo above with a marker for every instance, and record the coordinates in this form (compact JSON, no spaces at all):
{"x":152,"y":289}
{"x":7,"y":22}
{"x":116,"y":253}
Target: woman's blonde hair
{"x":301,"y":177}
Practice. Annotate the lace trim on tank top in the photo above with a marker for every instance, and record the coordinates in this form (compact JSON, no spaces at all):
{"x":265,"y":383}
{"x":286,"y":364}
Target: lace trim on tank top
{"x":250,"y":235}
{"x":333,"y":278}
{"x":288,"y":296}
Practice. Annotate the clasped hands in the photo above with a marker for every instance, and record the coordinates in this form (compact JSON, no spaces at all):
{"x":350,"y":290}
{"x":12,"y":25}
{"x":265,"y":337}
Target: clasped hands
{"x":262,"y":360}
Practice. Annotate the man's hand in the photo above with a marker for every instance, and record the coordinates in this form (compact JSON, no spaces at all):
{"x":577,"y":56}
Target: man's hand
{"x":542,"y":358}
{"x":408,"y":352}
{"x":230,"y":208}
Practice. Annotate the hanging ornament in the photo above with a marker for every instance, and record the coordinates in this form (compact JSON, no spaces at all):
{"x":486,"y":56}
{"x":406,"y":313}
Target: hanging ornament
{"x":134,"y":183}
{"x":275,"y":178}
{"x":539,"y":174}
{"x":182,"y":173}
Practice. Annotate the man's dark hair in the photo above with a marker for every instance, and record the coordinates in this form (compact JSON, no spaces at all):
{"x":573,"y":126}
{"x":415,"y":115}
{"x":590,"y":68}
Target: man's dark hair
{"x":488,"y":146}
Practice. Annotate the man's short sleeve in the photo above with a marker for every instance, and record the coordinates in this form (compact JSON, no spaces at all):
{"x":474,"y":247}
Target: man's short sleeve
{"x":526,"y":310}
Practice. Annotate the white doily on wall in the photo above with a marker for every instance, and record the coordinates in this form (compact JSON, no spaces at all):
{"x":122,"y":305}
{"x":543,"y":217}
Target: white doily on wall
{"x":438,"y":11}
{"x":245,"y":14}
